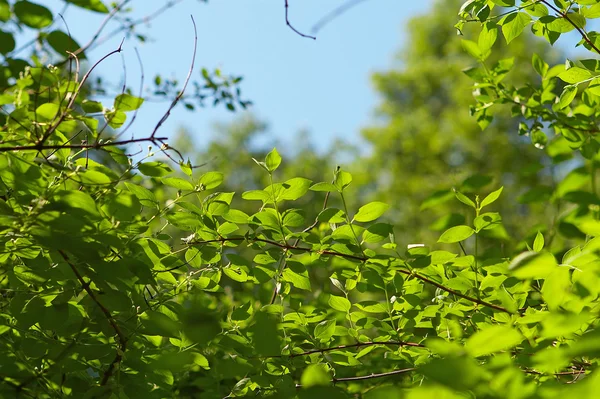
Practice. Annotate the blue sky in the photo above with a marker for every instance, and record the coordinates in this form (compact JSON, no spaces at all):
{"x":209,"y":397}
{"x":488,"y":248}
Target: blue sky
{"x":322,"y":86}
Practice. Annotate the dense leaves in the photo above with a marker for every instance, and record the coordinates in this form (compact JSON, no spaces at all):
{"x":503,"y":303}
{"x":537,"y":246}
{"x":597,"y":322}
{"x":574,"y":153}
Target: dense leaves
{"x":144,"y":276}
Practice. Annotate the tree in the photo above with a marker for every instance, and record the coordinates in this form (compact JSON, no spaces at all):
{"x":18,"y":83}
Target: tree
{"x":138,"y":278}
{"x":426,"y":143}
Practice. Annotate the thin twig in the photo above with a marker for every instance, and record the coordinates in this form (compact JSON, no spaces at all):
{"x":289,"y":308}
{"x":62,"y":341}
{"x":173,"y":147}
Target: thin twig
{"x":357,"y":345}
{"x":36,"y":147}
{"x":122,"y":339}
{"x":579,"y":29}
{"x":334,"y":14}
{"x":287,"y":22}
{"x":187,"y":80}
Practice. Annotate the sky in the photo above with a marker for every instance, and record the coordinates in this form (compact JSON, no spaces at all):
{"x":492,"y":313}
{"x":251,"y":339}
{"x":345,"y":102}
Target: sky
{"x":321,"y":86}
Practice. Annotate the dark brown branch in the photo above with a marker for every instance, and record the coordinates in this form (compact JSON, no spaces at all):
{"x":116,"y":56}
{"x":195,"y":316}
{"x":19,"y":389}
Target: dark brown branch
{"x":187,"y":80}
{"x":368,"y":377}
{"x":358,"y":258}
{"x":122,"y":339}
{"x":579,"y":29}
{"x":287,"y":22}
{"x":36,"y":147}
{"x":357,"y":345}
{"x":74,"y":95}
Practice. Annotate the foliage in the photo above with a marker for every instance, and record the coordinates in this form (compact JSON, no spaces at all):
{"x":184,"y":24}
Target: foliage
{"x":127,"y":278}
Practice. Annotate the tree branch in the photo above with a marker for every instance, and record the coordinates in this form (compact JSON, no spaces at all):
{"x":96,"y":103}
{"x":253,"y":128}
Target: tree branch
{"x":121,"y":338}
{"x":287,"y":22}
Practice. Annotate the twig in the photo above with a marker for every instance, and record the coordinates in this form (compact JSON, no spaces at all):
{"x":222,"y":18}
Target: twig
{"x":287,"y":22}
{"x":358,"y":258}
{"x":368,"y":377}
{"x":333,"y":15}
{"x":122,"y":339}
{"x":187,"y":80}
{"x":580,"y":30}
{"x":36,"y":147}
{"x":357,"y":345}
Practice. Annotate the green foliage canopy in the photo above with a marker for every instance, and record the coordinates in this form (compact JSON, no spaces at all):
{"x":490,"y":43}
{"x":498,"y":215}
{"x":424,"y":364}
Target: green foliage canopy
{"x":126,"y":278}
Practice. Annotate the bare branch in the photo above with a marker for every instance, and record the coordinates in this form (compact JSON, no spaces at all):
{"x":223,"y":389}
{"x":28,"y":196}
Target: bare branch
{"x":187,"y":80}
{"x":334,"y":14}
{"x":287,"y":22}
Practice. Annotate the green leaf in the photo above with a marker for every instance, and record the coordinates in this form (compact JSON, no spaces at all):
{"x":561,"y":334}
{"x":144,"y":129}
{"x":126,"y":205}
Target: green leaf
{"x":487,"y":36}
{"x":513,"y":25}
{"x":456,"y":234}
{"x":377,"y":232}
{"x":7,"y":42}
{"x":567,"y":96}
{"x":504,"y":3}
{"x":322,"y":186}
{"x":63,"y":43}
{"x":538,"y":243}
{"x":211,"y":180}
{"x":314,"y":375}
{"x":342,"y":180}
{"x":146,"y":197}
{"x":556,"y":289}
{"x":32,"y":14}
{"x":178,"y":183}
{"x":154,"y":169}
{"x":92,"y":5}
{"x":575,"y":75}
{"x":47,"y":112}
{"x":464,"y":199}
{"x":533,"y":265}
{"x":493,"y":339}
{"x":339,"y":303}
{"x":493,"y":196}
{"x":473,"y":49}
{"x":115,"y":119}
{"x":273,"y":160}
{"x":126,"y":102}
{"x":324,"y":330}
{"x":294,"y":188}
{"x":92,"y":107}
{"x":370,"y":211}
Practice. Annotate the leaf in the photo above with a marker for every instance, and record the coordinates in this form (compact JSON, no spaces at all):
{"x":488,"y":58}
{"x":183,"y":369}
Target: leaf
{"x":339,"y":303}
{"x":567,"y":96}
{"x":342,"y":180}
{"x":377,"y":232}
{"x":47,"y":112}
{"x":92,"y":107}
{"x":322,"y":186}
{"x":92,"y":5}
{"x":324,"y":330}
{"x":487,"y":36}
{"x":126,"y":102}
{"x":464,"y":199}
{"x":154,"y":169}
{"x":493,"y":196}
{"x":538,"y":243}
{"x":7,"y":42}
{"x":504,"y":3}
{"x":371,"y":211}
{"x":211,"y":180}
{"x":146,"y":197}
{"x":533,"y":265}
{"x":456,"y":234}
{"x":273,"y":160}
{"x":493,"y":339}
{"x":472,"y":48}
{"x":557,"y":286}
{"x":32,"y":14}
{"x":513,"y":25}
{"x":63,"y":43}
{"x":575,"y":75}
{"x":314,"y":375}
{"x":178,"y":183}
{"x":294,"y":188}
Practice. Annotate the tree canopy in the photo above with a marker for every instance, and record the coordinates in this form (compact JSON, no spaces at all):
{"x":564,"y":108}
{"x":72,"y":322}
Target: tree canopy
{"x":231,"y":271}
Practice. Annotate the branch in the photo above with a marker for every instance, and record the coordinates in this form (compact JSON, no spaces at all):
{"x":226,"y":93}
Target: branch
{"x":287,"y":22}
{"x":358,"y":345}
{"x":37,"y":147}
{"x":580,"y":30}
{"x":368,"y":377}
{"x":358,"y":258}
{"x":334,"y":14}
{"x":122,"y":339}
{"x":187,"y":80}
